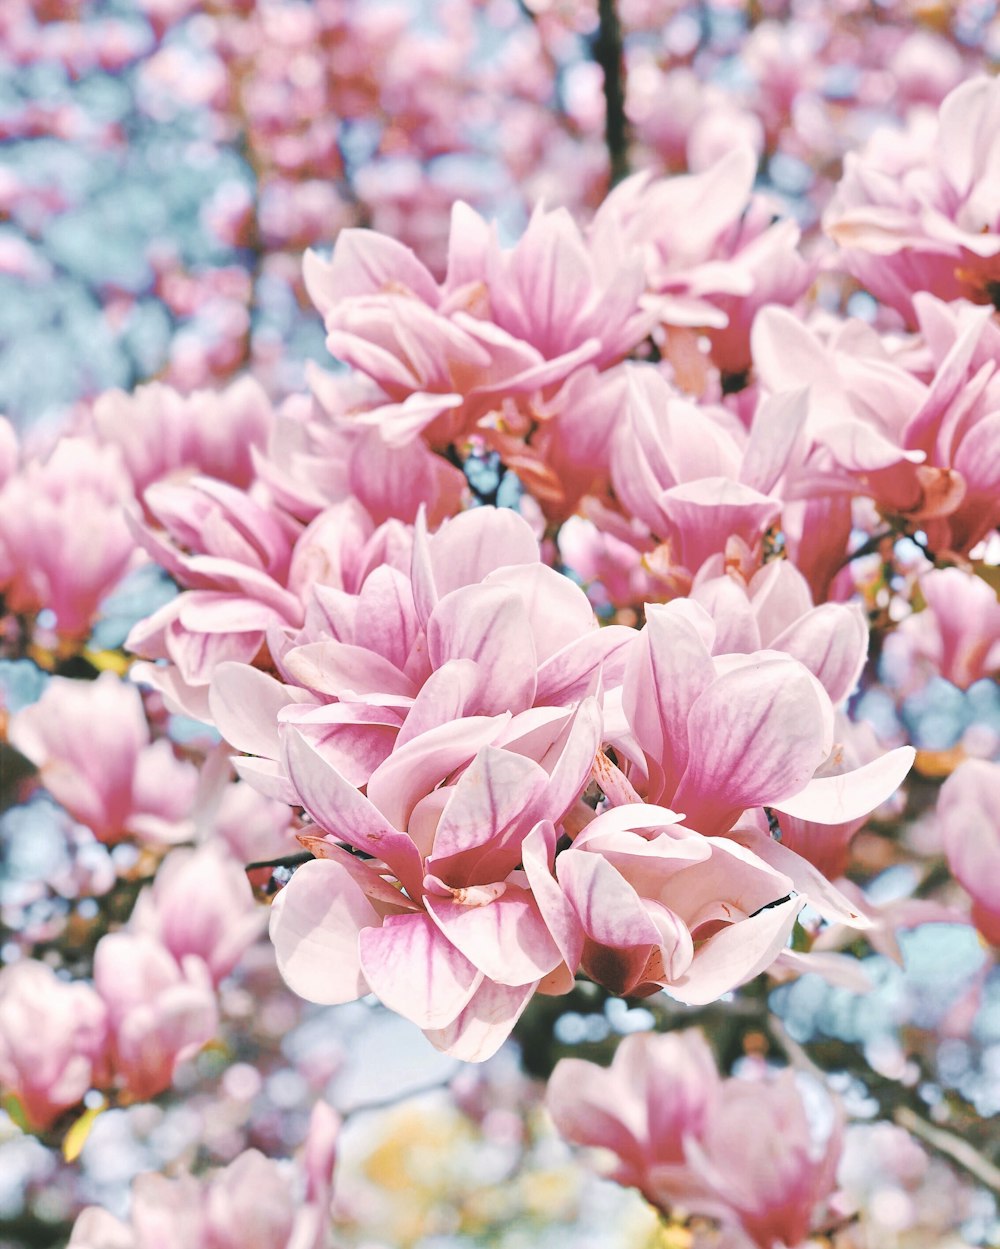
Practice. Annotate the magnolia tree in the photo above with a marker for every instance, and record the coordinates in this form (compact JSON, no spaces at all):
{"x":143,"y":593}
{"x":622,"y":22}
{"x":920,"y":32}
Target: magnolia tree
{"x":589,"y":665}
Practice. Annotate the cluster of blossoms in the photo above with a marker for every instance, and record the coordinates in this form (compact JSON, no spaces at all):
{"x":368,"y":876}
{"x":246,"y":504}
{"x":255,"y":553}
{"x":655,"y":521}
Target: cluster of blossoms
{"x":288,"y":122}
{"x":531,"y":633}
{"x":681,"y":1136}
{"x":254,"y":1200}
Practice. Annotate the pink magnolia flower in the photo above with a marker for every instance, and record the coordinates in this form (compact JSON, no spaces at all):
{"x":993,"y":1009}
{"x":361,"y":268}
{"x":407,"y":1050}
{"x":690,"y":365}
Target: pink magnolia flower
{"x":462,"y":947}
{"x":714,"y":735}
{"x":641,"y":903}
{"x":200,"y":903}
{"x":254,"y":1201}
{"x":64,"y":543}
{"x":91,"y":744}
{"x":159,"y":1013}
{"x":502,"y":324}
{"x":691,"y":474}
{"x":479,"y":627}
{"x":970,"y":830}
{"x":713,"y":254}
{"x":658,"y":1092}
{"x":957,"y":634}
{"x":774,"y":610}
{"x":775,"y":1189}
{"x":922,"y":215}
{"x":257,"y":578}
{"x":681,"y":1136}
{"x":53,"y":1035}
{"x":321,"y":453}
{"x":924,"y":450}
{"x":162,"y":434}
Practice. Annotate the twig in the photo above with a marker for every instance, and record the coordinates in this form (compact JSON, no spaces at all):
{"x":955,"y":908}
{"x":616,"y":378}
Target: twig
{"x":794,"y":1052}
{"x":870,"y":547}
{"x":289,"y":860}
{"x":951,"y":1146}
{"x":392,"y":1099}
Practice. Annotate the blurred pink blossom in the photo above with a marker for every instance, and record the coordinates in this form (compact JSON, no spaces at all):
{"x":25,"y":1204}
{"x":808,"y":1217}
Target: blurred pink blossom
{"x":741,"y":1151}
{"x":91,"y":744}
{"x":970,"y":831}
{"x":64,"y":543}
{"x":923,"y":216}
{"x":253,"y":1202}
{"x":159,"y":1012}
{"x":53,"y":1035}
{"x":201,"y":904}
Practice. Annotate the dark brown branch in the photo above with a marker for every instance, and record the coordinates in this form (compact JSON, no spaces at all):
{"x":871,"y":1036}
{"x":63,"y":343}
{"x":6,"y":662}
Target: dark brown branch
{"x":289,"y":860}
{"x":609,"y":54}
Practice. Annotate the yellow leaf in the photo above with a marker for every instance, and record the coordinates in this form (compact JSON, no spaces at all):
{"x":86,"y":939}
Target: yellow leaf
{"x":76,"y":1137}
{"x":108,"y":661}
{"x":936,"y":763}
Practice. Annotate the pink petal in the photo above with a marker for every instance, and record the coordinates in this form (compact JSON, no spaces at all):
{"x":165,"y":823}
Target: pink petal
{"x":339,"y":808}
{"x":465,"y":549}
{"x":755,"y":736}
{"x":538,"y":853}
{"x":703,"y":515}
{"x":415,"y":970}
{"x":572,"y":672}
{"x":731,"y":609}
{"x":354,"y":737}
{"x":558,"y":611}
{"x":424,"y":762}
{"x":315,"y":922}
{"x":245,"y":703}
{"x":507,"y":939}
{"x":489,"y":625}
{"x":777,"y":426}
{"x":591,"y":1107}
{"x":268,"y":777}
{"x":806,"y":880}
{"x":611,"y":912}
{"x":484,"y":1024}
{"x":568,"y":761}
{"x":839,"y":799}
{"x":490,"y":795}
{"x":348,"y":672}
{"x":668,"y":668}
{"x":736,"y":954}
{"x":832,"y":642}
{"x":365,"y":262}
{"x":448,"y":694}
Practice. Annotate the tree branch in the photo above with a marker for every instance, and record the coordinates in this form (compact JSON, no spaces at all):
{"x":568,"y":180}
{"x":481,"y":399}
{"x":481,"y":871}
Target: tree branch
{"x":609,"y":54}
{"x":951,"y":1146}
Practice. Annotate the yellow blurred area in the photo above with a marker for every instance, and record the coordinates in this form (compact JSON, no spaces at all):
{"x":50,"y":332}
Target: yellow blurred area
{"x":425,"y":1170}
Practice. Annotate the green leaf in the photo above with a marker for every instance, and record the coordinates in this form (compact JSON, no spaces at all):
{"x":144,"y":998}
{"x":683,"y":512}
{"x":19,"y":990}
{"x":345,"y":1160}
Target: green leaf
{"x":16,"y":1111}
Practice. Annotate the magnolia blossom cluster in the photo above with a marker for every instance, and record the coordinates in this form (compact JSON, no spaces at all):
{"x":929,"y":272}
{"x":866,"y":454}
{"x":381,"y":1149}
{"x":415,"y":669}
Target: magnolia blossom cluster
{"x":253,"y":1200}
{"x":743,"y":1152}
{"x":152,"y":1003}
{"x":531,"y":633}
{"x":501,"y":792}
{"x":153,"y":1000}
